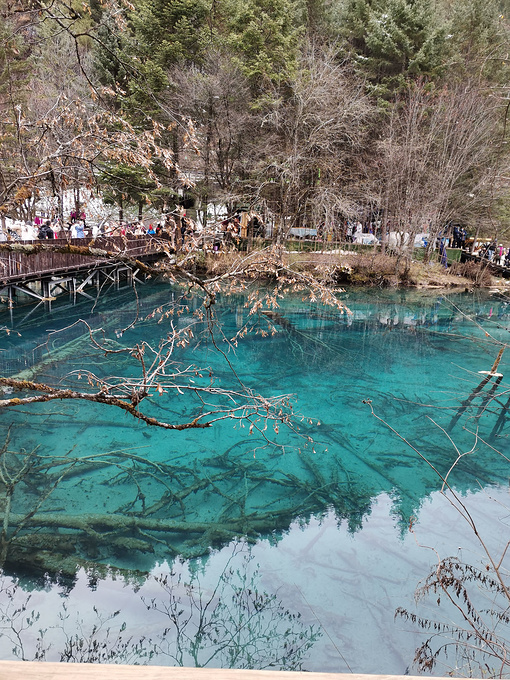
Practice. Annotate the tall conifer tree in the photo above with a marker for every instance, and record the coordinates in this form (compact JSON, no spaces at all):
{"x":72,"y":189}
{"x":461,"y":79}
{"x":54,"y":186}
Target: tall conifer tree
{"x":395,"y":41}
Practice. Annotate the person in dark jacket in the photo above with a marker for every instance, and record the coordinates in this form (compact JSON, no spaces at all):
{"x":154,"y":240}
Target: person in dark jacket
{"x":46,"y":231}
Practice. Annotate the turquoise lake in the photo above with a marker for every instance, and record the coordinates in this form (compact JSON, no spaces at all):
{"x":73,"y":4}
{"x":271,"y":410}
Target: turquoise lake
{"x":293,"y":546}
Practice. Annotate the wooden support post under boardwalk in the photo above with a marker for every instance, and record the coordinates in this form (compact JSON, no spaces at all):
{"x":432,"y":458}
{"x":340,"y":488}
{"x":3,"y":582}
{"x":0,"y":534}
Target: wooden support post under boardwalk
{"x":489,"y":375}
{"x":42,"y":670}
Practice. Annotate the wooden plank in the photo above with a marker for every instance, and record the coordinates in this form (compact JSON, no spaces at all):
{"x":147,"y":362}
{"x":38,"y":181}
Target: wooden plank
{"x":40,"y":670}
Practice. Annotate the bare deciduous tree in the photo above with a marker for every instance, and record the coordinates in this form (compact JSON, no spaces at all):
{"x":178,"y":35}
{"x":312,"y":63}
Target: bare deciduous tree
{"x":439,"y":157}
{"x":310,"y":163}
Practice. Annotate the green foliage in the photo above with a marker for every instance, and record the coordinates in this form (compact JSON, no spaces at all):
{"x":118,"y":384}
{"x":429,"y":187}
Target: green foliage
{"x":235,"y":102}
{"x":394,"y":41}
{"x":262,"y":35}
{"x":129,"y":81}
{"x":170,"y":31}
{"x":109,"y":59}
{"x":265,"y":38}
{"x":15,"y":60}
{"x":316,"y":18}
{"x":123,"y":185}
{"x":480,"y":36}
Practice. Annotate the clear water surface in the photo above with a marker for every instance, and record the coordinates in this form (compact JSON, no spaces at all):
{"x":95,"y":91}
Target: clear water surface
{"x":294,"y":551}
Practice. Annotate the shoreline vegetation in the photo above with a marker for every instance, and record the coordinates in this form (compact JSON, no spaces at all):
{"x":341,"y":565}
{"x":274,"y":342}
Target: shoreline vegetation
{"x":372,"y":269}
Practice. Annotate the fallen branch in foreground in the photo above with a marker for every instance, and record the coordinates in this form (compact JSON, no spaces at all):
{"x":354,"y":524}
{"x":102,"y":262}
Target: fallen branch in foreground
{"x":101,"y":397}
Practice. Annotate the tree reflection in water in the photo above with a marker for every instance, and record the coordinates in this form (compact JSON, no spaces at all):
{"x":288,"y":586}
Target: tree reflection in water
{"x":233,"y":624}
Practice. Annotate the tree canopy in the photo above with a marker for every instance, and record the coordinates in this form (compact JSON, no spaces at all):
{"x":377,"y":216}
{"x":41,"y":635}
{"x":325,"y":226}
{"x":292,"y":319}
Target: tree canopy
{"x":283,"y":106}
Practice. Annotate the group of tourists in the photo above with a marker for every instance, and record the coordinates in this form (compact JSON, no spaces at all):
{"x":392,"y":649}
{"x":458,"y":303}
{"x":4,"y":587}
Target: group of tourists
{"x":354,"y":230}
{"x":45,"y":227}
{"x":175,"y":227}
{"x":459,"y":236}
{"x":494,"y":252}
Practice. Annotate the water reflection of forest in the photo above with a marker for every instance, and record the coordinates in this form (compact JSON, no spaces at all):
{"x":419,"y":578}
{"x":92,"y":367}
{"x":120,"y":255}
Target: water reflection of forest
{"x":130,"y":497}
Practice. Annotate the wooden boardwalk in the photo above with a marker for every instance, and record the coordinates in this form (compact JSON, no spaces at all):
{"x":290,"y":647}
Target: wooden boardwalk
{"x":45,"y":274}
{"x":496,"y":269}
{"x":30,"y":670}
{"x":18,"y":266}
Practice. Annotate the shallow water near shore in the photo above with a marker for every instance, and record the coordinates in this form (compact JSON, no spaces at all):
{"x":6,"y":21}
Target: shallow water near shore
{"x":316,"y":520}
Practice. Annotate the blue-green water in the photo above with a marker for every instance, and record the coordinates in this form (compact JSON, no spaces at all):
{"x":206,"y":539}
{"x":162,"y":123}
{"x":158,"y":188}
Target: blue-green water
{"x":321,"y":507}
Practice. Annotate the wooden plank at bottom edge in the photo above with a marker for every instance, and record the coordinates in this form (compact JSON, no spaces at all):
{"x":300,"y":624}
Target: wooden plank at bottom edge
{"x":41,"y":670}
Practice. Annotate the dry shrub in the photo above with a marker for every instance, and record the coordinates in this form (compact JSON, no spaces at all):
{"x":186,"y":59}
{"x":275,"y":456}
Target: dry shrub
{"x":328,"y":268}
{"x":324,"y":267}
{"x":474,"y":271}
{"x":377,"y":269}
{"x":220,"y":262}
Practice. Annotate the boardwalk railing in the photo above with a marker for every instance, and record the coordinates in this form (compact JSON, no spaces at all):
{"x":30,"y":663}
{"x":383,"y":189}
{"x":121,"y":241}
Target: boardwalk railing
{"x":18,"y":266}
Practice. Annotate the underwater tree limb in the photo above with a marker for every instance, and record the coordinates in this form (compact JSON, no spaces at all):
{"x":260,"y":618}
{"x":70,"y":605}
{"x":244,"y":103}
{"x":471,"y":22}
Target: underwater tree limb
{"x":95,"y":522}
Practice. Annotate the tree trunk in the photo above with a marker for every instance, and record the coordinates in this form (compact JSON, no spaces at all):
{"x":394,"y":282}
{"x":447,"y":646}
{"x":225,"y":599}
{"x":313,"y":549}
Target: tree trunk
{"x":77,"y":202}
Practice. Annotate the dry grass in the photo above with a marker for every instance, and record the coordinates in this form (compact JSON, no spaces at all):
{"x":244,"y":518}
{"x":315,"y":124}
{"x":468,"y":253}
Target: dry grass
{"x":475,"y":272}
{"x":366,"y":269}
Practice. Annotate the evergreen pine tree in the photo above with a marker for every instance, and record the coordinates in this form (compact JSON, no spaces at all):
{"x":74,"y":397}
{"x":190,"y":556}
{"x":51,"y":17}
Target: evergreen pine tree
{"x":264,"y":37}
{"x":480,"y":34}
{"x":171,"y":31}
{"x":395,"y":41}
{"x":16,"y":46}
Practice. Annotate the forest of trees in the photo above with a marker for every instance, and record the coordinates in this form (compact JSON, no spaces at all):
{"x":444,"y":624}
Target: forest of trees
{"x":316,"y":111}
